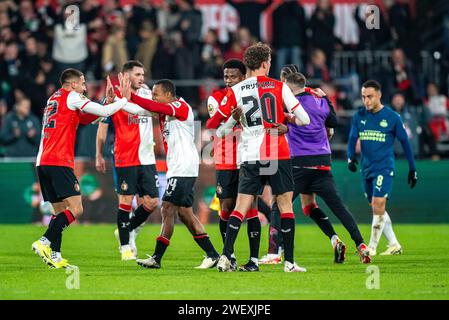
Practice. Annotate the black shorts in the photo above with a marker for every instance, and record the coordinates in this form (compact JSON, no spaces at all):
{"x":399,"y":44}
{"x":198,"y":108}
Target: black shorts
{"x":179,"y":191}
{"x":141,"y":180}
{"x":227,"y":183}
{"x":308,"y":181}
{"x":57,"y":183}
{"x":276,"y":173}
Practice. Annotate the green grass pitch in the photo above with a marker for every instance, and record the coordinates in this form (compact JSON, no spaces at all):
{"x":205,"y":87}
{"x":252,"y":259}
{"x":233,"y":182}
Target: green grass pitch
{"x":422,"y":272}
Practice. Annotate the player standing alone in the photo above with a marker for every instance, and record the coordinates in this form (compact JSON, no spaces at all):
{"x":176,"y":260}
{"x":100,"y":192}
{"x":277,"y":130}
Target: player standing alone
{"x":377,"y":127}
{"x":265,"y":154}
{"x":55,"y":160}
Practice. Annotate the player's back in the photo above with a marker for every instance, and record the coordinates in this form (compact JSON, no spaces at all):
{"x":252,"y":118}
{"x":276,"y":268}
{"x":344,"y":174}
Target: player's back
{"x":59,"y":125}
{"x":179,"y":141}
{"x":261,"y":99}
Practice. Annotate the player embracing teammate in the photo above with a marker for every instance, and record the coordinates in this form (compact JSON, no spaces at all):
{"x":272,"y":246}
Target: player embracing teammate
{"x":265,"y":154}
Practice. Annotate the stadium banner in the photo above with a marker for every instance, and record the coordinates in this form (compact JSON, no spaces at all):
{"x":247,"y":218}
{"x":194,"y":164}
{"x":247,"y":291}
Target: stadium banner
{"x":21,"y":200}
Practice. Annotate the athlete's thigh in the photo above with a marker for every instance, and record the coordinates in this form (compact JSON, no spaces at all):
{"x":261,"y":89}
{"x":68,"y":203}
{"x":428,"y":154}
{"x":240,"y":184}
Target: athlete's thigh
{"x":48,"y":192}
{"x":250,"y":180}
{"x":61,"y":183}
{"x":227,"y":184}
{"x":127,"y":180}
{"x":307,"y":199}
{"x":382,"y":185}
{"x":148,"y":181}
{"x":281,"y":181}
{"x":368,"y":188}
{"x":179,"y":191}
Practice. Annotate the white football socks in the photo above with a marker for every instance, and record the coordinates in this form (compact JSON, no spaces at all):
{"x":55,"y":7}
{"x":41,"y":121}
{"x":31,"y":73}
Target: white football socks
{"x":377,"y":228}
{"x":388,"y":231}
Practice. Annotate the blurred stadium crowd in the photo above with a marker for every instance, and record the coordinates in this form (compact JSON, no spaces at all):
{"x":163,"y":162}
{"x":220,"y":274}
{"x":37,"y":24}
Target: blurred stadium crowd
{"x":408,"y":54}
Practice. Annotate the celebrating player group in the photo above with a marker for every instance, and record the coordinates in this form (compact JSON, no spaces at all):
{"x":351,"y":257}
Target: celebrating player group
{"x":268,"y":134}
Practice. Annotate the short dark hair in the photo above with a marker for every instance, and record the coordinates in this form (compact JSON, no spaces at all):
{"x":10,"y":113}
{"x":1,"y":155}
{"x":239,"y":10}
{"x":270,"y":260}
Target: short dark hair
{"x":287,"y":69}
{"x":296,"y":78}
{"x":372,"y":84}
{"x":255,"y":55}
{"x":129,"y":65}
{"x":235,"y":64}
{"x":167,"y":86}
{"x":69,"y":74}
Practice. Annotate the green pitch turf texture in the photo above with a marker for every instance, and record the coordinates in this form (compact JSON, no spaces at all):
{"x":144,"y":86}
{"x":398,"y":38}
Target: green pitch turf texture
{"x":422,"y":272}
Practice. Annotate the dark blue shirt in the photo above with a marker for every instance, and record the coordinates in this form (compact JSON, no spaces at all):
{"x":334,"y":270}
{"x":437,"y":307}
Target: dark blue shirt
{"x":377,"y":132}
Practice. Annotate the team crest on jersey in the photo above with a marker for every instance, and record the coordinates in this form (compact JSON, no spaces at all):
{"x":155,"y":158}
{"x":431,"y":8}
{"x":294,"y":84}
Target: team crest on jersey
{"x":176,"y":104}
{"x":383,"y":123}
{"x":219,"y":189}
{"x":223,"y":102}
{"x":210,"y":108}
{"x":124,"y":186}
{"x":77,"y":187}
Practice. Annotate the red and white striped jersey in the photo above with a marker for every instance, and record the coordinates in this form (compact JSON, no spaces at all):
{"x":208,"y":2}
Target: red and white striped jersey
{"x":134,"y":141}
{"x":225,"y":149}
{"x":178,"y":133}
{"x":59,"y":125}
{"x":262,"y":100}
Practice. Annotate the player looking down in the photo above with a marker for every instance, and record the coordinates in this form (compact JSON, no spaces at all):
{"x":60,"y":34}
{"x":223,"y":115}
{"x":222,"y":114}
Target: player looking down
{"x":377,"y":127}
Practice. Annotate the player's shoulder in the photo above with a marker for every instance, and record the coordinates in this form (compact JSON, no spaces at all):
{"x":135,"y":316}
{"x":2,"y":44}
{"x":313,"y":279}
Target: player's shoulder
{"x":361,"y":112}
{"x":180,"y":103}
{"x":144,"y":92}
{"x":218,"y":95}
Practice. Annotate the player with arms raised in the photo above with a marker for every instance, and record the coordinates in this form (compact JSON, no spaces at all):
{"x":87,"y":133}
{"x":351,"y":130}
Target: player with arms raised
{"x":177,"y":125}
{"x":65,"y":110}
{"x":377,"y":127}
{"x":265,"y":154}
{"x":135,"y":164}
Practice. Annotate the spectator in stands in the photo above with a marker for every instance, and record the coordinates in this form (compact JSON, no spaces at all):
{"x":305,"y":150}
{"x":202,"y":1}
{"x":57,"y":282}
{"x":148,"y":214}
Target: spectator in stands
{"x":211,"y":56}
{"x":317,"y":67}
{"x":9,"y":71}
{"x":289,"y":34}
{"x":410,"y":121}
{"x":401,"y":24}
{"x":250,"y":12}
{"x":148,"y":46}
{"x":322,"y":25}
{"x":190,"y":24}
{"x":115,"y":53}
{"x":69,"y":45}
{"x":438,"y":105}
{"x":401,"y":76}
{"x":372,"y":39}
{"x":242,"y":39}
{"x":20,"y":133}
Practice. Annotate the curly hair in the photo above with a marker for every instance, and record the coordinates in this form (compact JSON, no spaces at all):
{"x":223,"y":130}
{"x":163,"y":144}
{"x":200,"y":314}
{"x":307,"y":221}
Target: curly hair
{"x":255,"y":55}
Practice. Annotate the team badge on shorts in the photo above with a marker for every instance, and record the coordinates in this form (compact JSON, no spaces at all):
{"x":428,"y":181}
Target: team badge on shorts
{"x":124,"y":186}
{"x":219,"y":189}
{"x":77,"y":187}
{"x":383,"y":123}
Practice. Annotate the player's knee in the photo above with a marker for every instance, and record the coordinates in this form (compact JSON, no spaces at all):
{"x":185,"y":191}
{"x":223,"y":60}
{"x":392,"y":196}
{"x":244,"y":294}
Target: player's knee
{"x":150,"y":203}
{"x":378,"y":206}
{"x":126,"y":200}
{"x":77,"y":210}
{"x":307,"y":210}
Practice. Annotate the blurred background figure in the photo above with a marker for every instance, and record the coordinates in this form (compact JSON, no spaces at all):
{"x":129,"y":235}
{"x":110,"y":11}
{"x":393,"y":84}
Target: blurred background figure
{"x":20,"y":132}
